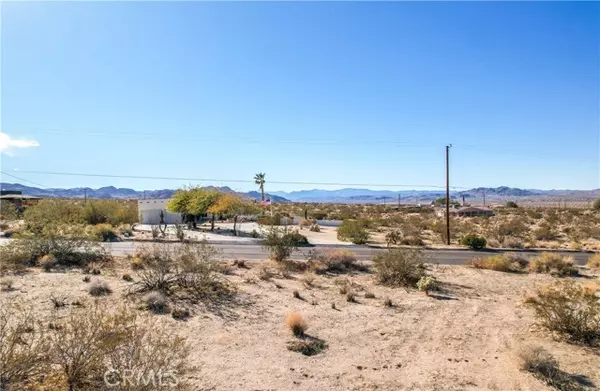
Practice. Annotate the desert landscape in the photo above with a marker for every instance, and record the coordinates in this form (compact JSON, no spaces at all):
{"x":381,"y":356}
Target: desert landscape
{"x":330,"y":322}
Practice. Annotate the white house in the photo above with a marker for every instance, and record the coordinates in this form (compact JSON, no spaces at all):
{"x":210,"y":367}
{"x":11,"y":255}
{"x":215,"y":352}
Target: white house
{"x":149,"y":211}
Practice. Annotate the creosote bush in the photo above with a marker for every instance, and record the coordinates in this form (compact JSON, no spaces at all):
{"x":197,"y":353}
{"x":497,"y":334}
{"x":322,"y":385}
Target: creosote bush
{"x":282,"y":243}
{"x":352,"y":231}
{"x":399,"y":267}
{"x":553,"y":263}
{"x":473,"y":241}
{"x":570,"y":309}
{"x":296,"y":323}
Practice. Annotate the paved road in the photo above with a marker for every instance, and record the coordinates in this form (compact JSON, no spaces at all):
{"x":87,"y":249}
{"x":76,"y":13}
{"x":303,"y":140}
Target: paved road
{"x":255,"y":252}
{"x":363,"y":253}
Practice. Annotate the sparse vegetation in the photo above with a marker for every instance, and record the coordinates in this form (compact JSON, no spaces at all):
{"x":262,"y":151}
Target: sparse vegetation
{"x":544,"y":366}
{"x":399,"y":267}
{"x":553,"y":263}
{"x":334,"y":261}
{"x":99,"y":288}
{"x":307,"y":346}
{"x":594,"y":261}
{"x":500,"y":263}
{"x":568,"y":308}
{"x":296,"y":323}
{"x":353,"y":231}
{"x":156,"y":302}
{"x":281,"y":243}
{"x":426,"y":284}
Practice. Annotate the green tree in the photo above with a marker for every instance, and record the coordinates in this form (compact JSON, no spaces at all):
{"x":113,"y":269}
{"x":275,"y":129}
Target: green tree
{"x":192,"y":203}
{"x":259,"y":179}
{"x":231,"y":204}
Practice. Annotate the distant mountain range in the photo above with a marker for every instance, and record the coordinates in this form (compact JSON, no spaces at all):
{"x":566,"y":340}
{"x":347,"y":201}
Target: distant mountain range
{"x":349,"y":195}
{"x":121,"y":193}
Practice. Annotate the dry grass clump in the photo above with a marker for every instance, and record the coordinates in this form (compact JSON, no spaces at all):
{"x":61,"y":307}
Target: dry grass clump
{"x":570,"y":309}
{"x":399,"y":267}
{"x":6,"y":284}
{"x":553,"y":263}
{"x":309,"y":279}
{"x":99,"y":288}
{"x":334,"y":261}
{"x":265,"y":273}
{"x":545,"y":367}
{"x":296,"y":323}
{"x":156,"y":302}
{"x":500,"y":263}
{"x":512,"y":242}
{"x":23,"y":347}
{"x":594,"y":262}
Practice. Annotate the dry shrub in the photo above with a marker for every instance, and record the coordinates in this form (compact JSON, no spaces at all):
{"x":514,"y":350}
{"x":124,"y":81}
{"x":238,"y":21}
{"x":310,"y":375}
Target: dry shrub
{"x":296,"y":294}
{"x":412,"y":240}
{"x":23,"y":346}
{"x":493,"y":243}
{"x":544,"y":366}
{"x":180,"y":313}
{"x":99,"y":288}
{"x":369,"y":295}
{"x":568,"y":308}
{"x":296,"y":323}
{"x":127,"y":277}
{"x":308,"y":279}
{"x":553,"y":263}
{"x":156,"y":302}
{"x":594,"y":262}
{"x":68,"y":252}
{"x":6,"y":284}
{"x":500,"y":263}
{"x":387,"y":302}
{"x":511,"y":242}
{"x":87,"y":344}
{"x":399,"y":267}
{"x":334,"y":261}
{"x":48,"y":262}
{"x":265,"y":273}
{"x":189,"y":272}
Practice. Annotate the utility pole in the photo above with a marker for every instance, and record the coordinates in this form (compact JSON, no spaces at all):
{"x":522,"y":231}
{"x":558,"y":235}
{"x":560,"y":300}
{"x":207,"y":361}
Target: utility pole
{"x":85,"y":195}
{"x":398,"y":200}
{"x":448,"y":193}
{"x":484,"y":199}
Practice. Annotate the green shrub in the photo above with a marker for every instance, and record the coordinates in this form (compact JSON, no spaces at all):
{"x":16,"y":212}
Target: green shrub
{"x":570,"y":309}
{"x":511,"y":204}
{"x":399,"y":267}
{"x":426,"y":283}
{"x":596,"y":204}
{"x":103,"y":233}
{"x":473,"y":241}
{"x":297,"y":239}
{"x":352,"y":231}
{"x":544,"y":233}
{"x":281,"y":244}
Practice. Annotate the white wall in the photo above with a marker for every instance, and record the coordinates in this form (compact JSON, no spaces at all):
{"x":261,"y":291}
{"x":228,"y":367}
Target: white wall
{"x":150,"y":212}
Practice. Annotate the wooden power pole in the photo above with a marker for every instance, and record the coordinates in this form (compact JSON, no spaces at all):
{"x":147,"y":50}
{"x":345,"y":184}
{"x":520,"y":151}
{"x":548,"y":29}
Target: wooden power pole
{"x":448,"y":193}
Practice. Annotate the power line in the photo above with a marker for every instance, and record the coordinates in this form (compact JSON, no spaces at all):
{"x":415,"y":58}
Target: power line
{"x":21,"y":179}
{"x":234,"y":180}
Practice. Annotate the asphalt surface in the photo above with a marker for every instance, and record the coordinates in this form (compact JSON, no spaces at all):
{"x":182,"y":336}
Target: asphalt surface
{"x":363,"y":253}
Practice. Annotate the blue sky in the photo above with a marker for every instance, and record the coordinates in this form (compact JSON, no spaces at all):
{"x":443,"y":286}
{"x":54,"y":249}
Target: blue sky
{"x":306,"y":92}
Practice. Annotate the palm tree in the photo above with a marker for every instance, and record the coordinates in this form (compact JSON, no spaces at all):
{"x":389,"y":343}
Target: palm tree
{"x":259,"y":179}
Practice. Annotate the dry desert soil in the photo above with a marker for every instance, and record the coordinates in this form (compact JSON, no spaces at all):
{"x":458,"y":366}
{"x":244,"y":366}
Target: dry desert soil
{"x":462,"y":338}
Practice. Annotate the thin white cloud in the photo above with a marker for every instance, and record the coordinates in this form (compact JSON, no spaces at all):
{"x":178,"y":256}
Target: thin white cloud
{"x":7,"y":143}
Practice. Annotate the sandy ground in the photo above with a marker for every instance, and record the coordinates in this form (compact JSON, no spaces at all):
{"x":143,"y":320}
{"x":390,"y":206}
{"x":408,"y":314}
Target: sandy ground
{"x":463,"y":339}
{"x":328,"y":235}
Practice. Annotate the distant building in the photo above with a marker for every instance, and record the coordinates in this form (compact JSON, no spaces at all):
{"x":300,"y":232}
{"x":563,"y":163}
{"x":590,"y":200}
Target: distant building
{"x":16,"y":197}
{"x":149,"y":211}
{"x":471,"y":211}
